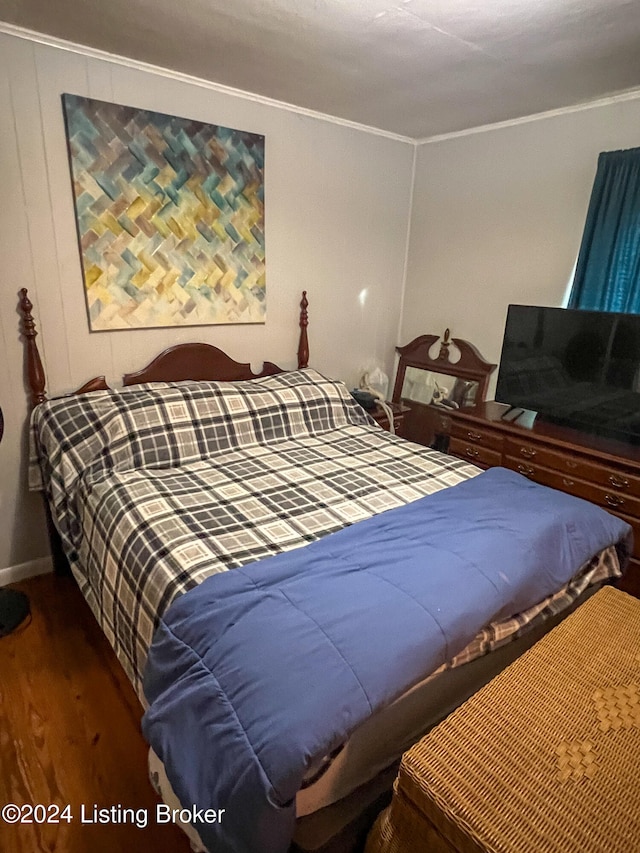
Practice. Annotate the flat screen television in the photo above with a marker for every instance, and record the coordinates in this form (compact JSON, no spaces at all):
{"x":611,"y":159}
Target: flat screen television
{"x":577,"y":368}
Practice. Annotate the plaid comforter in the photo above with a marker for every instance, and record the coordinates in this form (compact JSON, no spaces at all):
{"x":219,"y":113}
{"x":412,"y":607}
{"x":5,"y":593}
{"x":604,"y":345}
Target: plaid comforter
{"x":153,"y":488}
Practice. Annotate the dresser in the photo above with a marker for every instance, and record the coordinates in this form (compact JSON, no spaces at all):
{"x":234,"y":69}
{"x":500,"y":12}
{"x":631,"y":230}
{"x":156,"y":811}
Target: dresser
{"x":600,"y":470}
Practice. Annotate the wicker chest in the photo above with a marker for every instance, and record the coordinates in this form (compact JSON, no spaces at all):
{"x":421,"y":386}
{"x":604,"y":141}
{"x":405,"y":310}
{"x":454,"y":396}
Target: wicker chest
{"x":545,"y":758}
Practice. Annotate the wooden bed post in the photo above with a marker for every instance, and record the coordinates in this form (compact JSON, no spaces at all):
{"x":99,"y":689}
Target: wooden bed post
{"x":303,"y":346}
{"x":37,"y":383}
{"x":35,"y":370}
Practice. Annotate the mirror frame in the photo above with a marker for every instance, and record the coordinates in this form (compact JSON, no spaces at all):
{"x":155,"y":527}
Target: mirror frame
{"x":470,"y":366}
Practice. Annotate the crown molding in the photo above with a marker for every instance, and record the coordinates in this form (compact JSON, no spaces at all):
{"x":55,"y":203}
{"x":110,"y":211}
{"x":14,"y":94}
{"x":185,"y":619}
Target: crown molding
{"x":627,"y":95}
{"x":138,"y":65}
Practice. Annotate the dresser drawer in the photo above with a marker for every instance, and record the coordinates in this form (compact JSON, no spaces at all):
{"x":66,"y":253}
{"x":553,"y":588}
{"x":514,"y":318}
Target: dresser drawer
{"x":540,"y":474}
{"x":611,"y":499}
{"x":483,"y":456}
{"x":573,"y":466}
{"x":477,"y":435}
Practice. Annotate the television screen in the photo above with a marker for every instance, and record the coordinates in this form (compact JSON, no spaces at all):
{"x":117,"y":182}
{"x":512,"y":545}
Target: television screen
{"x":578,"y":368}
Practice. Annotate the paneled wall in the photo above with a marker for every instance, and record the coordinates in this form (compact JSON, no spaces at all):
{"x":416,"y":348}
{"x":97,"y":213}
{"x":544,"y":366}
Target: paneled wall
{"x":337,"y":208}
{"x":496,"y":217}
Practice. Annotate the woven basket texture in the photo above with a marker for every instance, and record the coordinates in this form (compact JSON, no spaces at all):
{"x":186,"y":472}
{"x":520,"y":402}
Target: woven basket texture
{"x":543,"y":759}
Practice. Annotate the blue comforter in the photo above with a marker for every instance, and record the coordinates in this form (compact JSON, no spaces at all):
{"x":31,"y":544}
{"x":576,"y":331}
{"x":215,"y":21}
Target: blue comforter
{"x":259,"y":671}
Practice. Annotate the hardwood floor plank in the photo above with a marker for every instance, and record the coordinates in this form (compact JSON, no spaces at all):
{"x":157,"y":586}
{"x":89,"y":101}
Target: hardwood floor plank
{"x":70,"y":732}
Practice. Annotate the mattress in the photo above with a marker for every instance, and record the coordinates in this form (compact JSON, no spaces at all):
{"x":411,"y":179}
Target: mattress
{"x":164,"y":496}
{"x":155,"y":488}
{"x":367,"y":763}
{"x":386,"y":735}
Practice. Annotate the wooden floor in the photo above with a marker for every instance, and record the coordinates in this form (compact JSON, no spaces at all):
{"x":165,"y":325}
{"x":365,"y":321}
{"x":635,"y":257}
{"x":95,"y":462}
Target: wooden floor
{"x":70,"y":732}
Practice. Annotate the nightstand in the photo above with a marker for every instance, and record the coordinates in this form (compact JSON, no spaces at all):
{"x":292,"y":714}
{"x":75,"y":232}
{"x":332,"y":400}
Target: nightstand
{"x":398,"y":409}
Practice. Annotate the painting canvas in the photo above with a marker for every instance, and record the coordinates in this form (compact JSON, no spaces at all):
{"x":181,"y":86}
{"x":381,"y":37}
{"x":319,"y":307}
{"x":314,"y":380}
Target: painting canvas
{"x":170,"y":217}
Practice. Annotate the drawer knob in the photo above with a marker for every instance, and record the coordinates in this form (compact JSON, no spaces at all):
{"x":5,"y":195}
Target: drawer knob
{"x":613,"y":500}
{"x":618,"y":482}
{"x":527,"y":470}
{"x":567,"y":482}
{"x":474,"y":436}
{"x":472,"y":452}
{"x":529,"y":452}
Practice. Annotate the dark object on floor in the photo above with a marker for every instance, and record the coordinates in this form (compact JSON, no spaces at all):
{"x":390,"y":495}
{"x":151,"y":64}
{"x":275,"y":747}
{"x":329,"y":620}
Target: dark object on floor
{"x":14,"y":609}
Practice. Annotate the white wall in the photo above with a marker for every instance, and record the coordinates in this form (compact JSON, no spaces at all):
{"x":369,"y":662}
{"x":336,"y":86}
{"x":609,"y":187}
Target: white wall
{"x":336,"y":213}
{"x":498,"y":218}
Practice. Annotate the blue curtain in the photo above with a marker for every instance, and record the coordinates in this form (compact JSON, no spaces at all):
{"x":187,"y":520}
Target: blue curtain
{"x":607,"y":274}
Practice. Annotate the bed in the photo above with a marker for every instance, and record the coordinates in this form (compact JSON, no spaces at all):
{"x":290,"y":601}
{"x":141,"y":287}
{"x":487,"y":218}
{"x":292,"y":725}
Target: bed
{"x":204,"y":486}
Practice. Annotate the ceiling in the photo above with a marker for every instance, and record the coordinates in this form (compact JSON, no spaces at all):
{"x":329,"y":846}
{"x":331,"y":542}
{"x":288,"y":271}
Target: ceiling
{"x":416,"y":68}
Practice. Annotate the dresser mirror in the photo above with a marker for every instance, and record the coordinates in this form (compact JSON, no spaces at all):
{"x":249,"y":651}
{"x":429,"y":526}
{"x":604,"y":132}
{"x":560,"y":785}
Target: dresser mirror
{"x":431,"y":384}
{"x":428,"y":386}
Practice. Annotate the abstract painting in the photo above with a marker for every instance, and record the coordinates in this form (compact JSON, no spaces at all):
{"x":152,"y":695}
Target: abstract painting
{"x":170,"y":217}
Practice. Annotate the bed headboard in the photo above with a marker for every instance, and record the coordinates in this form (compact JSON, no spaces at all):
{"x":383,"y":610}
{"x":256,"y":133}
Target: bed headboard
{"x":195,"y":361}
